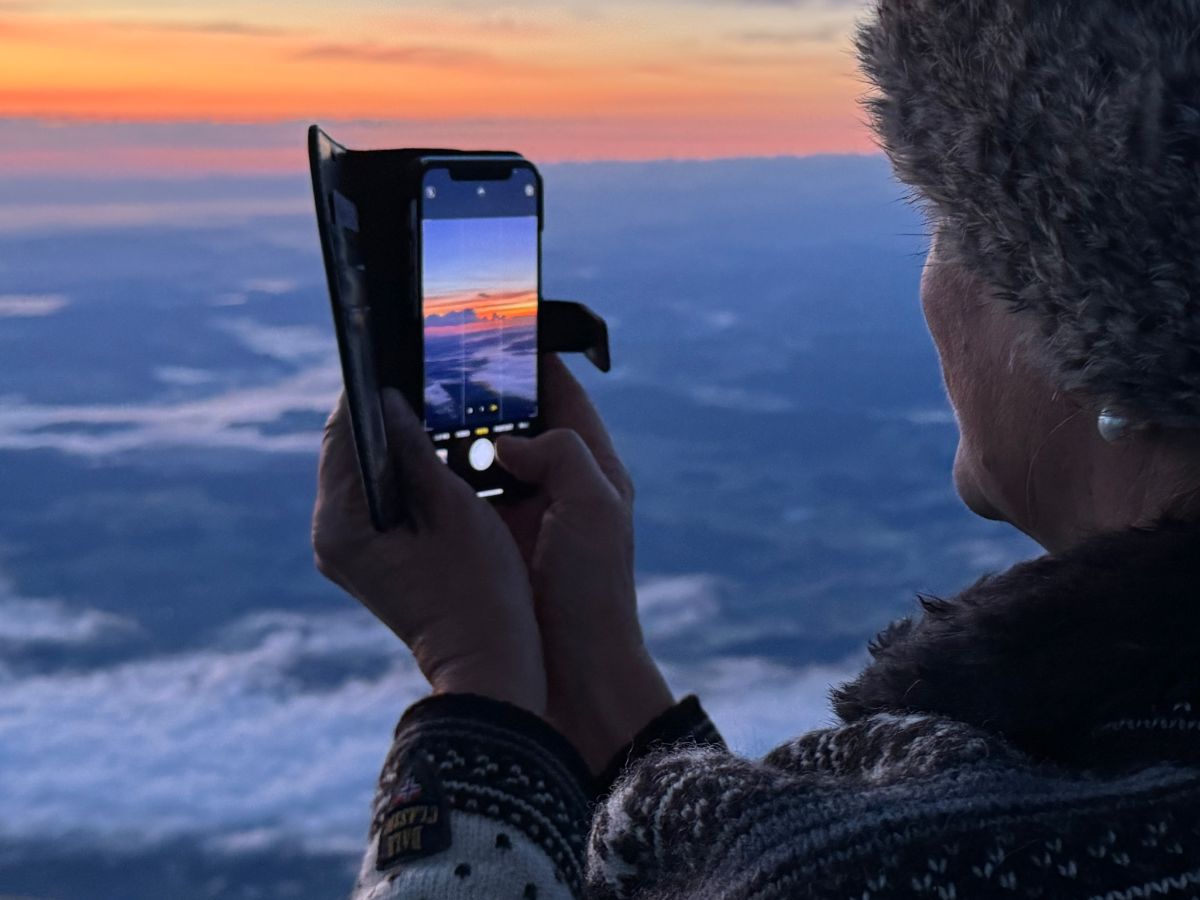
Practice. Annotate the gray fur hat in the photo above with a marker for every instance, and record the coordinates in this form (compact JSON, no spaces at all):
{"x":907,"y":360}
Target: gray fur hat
{"x":1057,"y":144}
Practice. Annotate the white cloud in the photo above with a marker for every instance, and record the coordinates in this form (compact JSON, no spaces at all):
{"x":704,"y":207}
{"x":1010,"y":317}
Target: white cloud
{"x":58,"y":217}
{"x":741,"y":399}
{"x":216,"y":741}
{"x":719,"y":319}
{"x":274,"y":286}
{"x":669,"y":607}
{"x":758,"y":704}
{"x":184,"y":376}
{"x":929,"y":417}
{"x":232,"y":419}
{"x":995,"y":554}
{"x":31,"y":306}
{"x":26,"y":620}
{"x":228,"y":420}
{"x":287,"y":343}
{"x":53,"y":622}
{"x":233,"y":745}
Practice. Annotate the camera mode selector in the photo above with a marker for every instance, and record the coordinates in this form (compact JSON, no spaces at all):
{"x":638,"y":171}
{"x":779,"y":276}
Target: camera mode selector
{"x":482,"y":454}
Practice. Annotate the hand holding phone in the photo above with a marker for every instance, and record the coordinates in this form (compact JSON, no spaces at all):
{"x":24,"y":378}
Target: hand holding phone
{"x":455,"y":589}
{"x":576,"y":535}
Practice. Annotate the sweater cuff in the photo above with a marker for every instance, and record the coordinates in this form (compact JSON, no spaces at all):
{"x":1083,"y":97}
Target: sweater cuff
{"x":685,"y":723}
{"x":469,"y":754}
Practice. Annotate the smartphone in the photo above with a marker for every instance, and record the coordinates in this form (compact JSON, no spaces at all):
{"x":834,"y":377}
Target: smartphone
{"x":477,"y":230}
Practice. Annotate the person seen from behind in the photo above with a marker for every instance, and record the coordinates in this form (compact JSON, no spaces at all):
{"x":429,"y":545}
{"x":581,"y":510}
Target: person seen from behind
{"x":1037,"y":735}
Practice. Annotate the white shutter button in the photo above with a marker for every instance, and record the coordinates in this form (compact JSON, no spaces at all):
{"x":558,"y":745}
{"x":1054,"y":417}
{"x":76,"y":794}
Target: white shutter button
{"x":482,"y":454}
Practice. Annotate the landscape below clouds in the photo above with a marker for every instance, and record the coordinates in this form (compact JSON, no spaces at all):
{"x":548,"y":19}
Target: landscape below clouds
{"x":191,"y":711}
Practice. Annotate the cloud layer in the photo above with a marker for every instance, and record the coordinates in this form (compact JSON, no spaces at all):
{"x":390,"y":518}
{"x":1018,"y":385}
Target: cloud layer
{"x":277,"y":731}
{"x":31,"y":306}
{"x":229,"y":419}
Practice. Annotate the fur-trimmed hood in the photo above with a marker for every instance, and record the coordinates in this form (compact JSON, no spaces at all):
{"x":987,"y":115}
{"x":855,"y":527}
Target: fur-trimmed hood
{"x":1055,"y":653}
{"x":1057,"y":144}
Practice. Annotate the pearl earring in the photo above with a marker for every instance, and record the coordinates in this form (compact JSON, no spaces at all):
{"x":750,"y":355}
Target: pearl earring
{"x":1113,"y":426}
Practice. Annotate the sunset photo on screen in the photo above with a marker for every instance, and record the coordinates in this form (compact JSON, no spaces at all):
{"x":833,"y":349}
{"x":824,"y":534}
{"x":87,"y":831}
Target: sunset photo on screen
{"x":480,"y":307}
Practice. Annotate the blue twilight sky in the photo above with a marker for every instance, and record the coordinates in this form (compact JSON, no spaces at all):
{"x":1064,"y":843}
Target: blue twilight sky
{"x":470,"y":256}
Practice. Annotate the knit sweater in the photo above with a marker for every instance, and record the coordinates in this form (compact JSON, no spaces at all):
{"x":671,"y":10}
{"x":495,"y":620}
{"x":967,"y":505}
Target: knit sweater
{"x":1036,"y":736}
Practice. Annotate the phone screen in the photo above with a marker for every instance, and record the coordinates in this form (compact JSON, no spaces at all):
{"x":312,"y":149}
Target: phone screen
{"x":480,"y":272}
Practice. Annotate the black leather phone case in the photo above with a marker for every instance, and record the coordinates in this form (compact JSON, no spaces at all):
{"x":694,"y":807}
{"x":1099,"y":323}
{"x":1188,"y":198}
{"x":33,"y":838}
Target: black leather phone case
{"x":363,"y":200}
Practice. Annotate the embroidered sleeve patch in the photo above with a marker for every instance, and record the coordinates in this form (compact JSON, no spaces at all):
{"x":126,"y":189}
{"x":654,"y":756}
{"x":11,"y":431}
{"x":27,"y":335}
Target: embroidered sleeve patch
{"x":416,"y":820}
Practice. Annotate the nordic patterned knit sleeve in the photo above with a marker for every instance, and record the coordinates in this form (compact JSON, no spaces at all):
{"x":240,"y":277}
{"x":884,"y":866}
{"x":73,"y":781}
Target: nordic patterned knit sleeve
{"x":480,"y":799}
{"x":889,"y":807}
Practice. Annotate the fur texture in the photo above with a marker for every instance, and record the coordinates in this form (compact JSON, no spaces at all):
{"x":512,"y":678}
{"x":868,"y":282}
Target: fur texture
{"x":1051,"y":650}
{"x":1057,"y":144}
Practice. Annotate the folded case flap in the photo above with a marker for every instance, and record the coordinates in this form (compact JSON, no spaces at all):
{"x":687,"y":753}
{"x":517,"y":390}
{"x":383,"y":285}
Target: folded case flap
{"x":570,"y":327}
{"x":341,"y":247}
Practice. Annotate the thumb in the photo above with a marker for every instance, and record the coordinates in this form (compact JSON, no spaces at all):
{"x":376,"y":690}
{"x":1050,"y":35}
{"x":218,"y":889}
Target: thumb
{"x":558,"y":462}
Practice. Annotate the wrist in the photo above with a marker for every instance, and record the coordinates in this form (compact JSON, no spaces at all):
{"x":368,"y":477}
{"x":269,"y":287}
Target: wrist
{"x":512,"y":678}
{"x":603,"y":710}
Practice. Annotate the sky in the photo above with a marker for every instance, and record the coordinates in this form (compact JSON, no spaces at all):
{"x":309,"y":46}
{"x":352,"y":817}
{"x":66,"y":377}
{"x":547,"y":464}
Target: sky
{"x":558,"y":80}
{"x":485,"y":265}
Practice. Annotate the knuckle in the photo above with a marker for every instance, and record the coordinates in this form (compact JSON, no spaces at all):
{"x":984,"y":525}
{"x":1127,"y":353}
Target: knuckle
{"x":322,"y":563}
{"x":628,"y":490}
{"x":619,"y":476}
{"x":610,"y":504}
{"x":565,"y":440}
{"x":330,"y":548}
{"x":623,"y":481}
{"x":327,"y":568}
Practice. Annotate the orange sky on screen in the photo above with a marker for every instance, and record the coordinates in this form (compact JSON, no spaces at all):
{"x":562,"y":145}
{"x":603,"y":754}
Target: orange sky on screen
{"x":725,"y":81}
{"x":508,"y":307}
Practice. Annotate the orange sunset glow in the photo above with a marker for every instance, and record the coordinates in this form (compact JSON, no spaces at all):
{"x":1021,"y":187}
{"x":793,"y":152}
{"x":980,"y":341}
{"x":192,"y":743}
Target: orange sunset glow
{"x":617,"y":81}
{"x":506,"y":308}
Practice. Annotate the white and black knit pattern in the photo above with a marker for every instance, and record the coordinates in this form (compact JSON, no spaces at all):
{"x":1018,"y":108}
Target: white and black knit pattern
{"x":899,"y":807}
{"x":518,"y":799}
{"x":488,"y":859}
{"x":1037,"y":736}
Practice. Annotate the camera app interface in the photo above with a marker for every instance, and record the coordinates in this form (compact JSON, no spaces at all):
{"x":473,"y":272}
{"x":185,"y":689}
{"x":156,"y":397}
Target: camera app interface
{"x":479,"y":248}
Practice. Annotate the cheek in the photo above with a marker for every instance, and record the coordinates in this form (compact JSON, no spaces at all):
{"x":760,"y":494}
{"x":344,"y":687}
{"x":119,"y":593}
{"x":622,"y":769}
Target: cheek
{"x":974,"y":362}
{"x":946,"y":296}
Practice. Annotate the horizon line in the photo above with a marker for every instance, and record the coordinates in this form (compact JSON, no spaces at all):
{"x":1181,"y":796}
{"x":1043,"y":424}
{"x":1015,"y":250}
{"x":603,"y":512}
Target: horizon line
{"x":61,"y":146}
